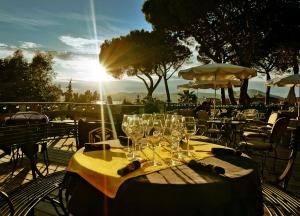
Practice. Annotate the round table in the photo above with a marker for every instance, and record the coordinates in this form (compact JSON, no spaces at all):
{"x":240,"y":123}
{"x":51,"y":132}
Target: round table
{"x":177,"y":190}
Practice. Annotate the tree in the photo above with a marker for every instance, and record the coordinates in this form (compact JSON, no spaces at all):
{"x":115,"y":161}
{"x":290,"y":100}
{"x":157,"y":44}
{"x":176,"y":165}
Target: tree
{"x":24,"y":81}
{"x":69,"y":92}
{"x":187,"y":97}
{"x":170,"y":56}
{"x":132,"y":55}
{"x":233,"y":31}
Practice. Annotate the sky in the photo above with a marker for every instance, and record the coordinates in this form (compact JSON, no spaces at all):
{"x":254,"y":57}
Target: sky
{"x":72,"y":30}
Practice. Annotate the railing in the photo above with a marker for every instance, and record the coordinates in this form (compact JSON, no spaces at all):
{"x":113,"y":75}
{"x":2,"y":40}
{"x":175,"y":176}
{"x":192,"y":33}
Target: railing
{"x":65,"y":110}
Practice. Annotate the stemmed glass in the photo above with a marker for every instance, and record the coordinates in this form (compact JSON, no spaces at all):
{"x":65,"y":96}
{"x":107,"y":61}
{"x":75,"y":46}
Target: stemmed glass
{"x":125,"y":129}
{"x":147,"y":125}
{"x":135,"y":129}
{"x":155,"y":139}
{"x":189,"y":124}
{"x":177,"y":132}
{"x":171,"y":139}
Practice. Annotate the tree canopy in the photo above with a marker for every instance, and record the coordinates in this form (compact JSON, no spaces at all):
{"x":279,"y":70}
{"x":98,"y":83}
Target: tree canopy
{"x":234,"y":31}
{"x":21,"y":80}
{"x":145,"y":55}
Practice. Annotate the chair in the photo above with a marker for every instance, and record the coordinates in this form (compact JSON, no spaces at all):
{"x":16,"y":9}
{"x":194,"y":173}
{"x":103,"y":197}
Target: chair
{"x":277,"y":201}
{"x":264,"y":143}
{"x":204,"y":133}
{"x":92,"y":131}
{"x":260,"y":126}
{"x":23,"y":199}
{"x":250,"y":113}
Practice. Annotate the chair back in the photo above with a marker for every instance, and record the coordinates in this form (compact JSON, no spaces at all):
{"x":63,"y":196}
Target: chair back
{"x":100,"y":134}
{"x":202,"y":115}
{"x":92,"y":131}
{"x":273,"y":117}
{"x":284,"y":177}
{"x":278,"y":129}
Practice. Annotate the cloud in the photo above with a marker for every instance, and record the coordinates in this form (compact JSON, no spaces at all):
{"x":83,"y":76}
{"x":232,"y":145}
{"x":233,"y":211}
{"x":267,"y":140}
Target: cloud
{"x":30,"y":45}
{"x":3,"y":45}
{"x":82,"y":45}
{"x":25,"y":20}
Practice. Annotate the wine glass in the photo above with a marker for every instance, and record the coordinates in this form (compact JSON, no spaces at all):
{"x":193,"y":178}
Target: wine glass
{"x":137,"y":132}
{"x":177,"y":132}
{"x":155,"y":139}
{"x":125,"y":129}
{"x":147,"y":125}
{"x":170,"y":139}
{"x":189,"y":124}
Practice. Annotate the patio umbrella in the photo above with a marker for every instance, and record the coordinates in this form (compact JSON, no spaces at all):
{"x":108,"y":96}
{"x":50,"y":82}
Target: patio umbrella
{"x":289,"y":81}
{"x":206,"y":84}
{"x":213,"y":84}
{"x":217,"y":72}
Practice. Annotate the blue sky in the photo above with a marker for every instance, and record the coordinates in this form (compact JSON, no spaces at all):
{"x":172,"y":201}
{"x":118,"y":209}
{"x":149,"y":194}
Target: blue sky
{"x":71,"y":29}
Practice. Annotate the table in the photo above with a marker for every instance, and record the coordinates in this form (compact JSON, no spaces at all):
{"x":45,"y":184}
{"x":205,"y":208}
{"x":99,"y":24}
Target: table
{"x":24,"y":137}
{"x":177,"y":190}
{"x":229,"y":128}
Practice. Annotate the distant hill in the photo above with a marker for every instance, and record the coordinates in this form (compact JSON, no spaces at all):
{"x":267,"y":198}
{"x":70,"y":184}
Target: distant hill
{"x":130,"y":89}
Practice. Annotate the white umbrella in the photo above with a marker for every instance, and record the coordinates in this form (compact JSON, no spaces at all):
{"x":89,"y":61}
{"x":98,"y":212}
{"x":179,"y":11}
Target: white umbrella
{"x":217,"y":72}
{"x":213,"y":84}
{"x":289,"y":81}
{"x":206,"y":84}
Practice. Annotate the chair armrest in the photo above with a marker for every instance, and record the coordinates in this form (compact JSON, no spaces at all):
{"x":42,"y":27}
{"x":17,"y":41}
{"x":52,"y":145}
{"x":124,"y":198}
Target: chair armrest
{"x":256,"y":135}
{"x":7,"y":199}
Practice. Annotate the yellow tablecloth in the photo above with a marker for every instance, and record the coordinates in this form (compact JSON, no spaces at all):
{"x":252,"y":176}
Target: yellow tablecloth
{"x":99,"y":168}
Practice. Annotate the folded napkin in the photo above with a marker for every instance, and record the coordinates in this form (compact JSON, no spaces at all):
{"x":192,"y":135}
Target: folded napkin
{"x":95,"y":147}
{"x":225,"y":152}
{"x":196,"y":165}
{"x":134,"y":165}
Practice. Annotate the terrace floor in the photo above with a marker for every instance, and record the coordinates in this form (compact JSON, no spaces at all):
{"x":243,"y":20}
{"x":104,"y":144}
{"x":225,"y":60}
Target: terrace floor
{"x":61,"y":150}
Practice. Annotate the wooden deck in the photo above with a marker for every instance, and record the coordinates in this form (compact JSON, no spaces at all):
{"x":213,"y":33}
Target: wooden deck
{"x":61,"y":150}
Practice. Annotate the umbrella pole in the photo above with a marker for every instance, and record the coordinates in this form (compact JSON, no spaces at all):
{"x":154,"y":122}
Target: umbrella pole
{"x":298,"y":117}
{"x":215,"y":102}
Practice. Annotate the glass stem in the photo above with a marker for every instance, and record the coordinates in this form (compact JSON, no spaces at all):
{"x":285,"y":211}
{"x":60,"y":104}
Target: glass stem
{"x":188,"y":146}
{"x":153,"y":156}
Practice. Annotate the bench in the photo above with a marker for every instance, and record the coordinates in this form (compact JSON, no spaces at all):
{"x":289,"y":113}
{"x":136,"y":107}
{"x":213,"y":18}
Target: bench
{"x":277,"y":201}
{"x":23,"y":199}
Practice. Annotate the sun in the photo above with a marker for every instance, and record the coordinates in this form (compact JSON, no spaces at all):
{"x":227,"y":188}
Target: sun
{"x":97,"y":72}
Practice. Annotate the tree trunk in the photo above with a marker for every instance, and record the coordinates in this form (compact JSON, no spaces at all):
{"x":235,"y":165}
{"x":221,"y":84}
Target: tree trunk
{"x":150,"y":92}
{"x":244,"y":97}
{"x":167,"y":89}
{"x":231,"y":96}
{"x":295,"y":69}
{"x":223,"y":99}
{"x":268,"y":90}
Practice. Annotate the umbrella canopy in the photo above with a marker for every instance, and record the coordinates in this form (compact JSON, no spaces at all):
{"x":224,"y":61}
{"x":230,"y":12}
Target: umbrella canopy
{"x":289,"y":81}
{"x":206,"y":84}
{"x":217,"y":72}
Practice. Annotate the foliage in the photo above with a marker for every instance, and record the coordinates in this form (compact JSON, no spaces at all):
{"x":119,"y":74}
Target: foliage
{"x":87,"y":97}
{"x":187,"y":97}
{"x":234,"y":31}
{"x":145,"y":55}
{"x":21,"y":80}
{"x":151,"y":105}
{"x":69,"y":93}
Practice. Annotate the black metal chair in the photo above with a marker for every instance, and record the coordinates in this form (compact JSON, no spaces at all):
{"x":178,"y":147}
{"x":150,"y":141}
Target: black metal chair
{"x":93,"y":131}
{"x":277,"y":200}
{"x":23,"y":199}
{"x":263,"y":144}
